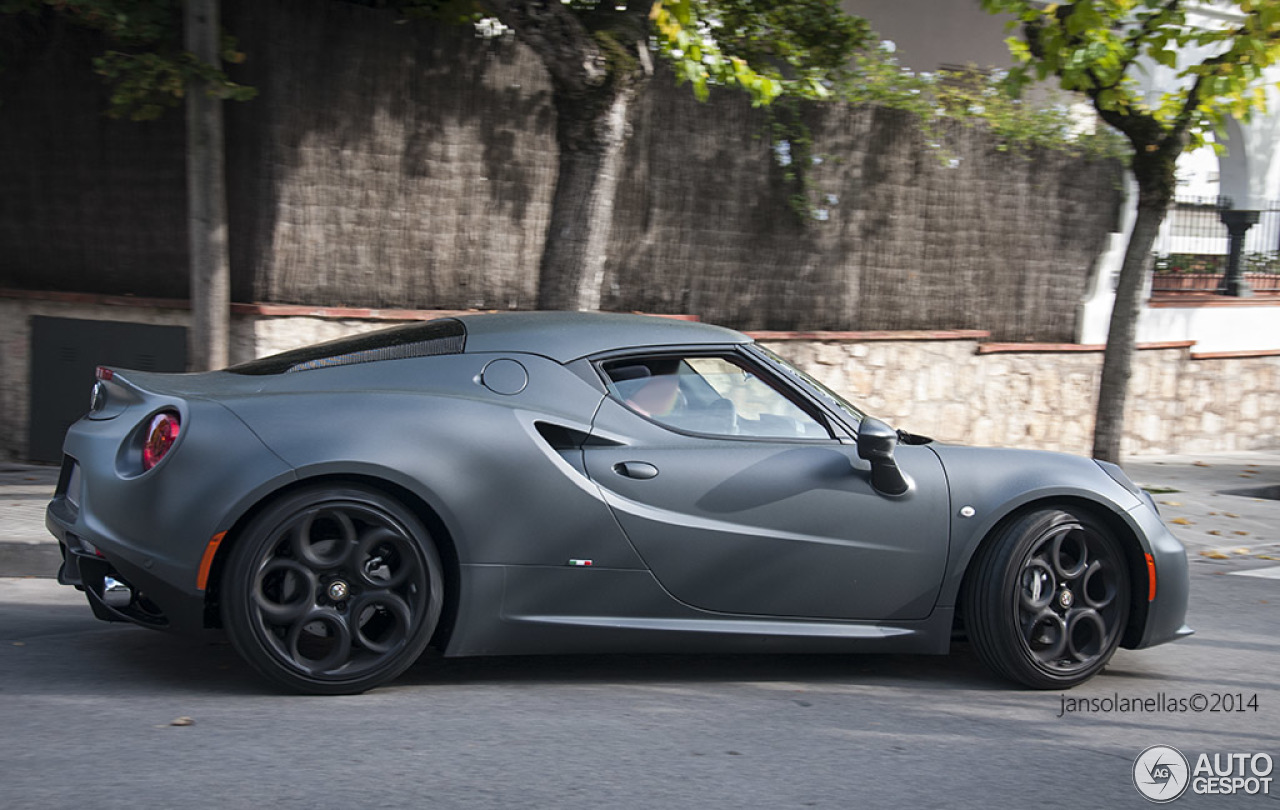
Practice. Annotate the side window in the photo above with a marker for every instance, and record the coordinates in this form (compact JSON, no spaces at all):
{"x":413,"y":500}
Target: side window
{"x":716,"y":395}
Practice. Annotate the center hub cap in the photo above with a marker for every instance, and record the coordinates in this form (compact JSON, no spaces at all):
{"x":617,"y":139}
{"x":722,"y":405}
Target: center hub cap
{"x":338,"y":590}
{"x":1066,"y":599}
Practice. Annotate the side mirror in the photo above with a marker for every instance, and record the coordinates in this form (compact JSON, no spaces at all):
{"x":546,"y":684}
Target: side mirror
{"x":876,"y":443}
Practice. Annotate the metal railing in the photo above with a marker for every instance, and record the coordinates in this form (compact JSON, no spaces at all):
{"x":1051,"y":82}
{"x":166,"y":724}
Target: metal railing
{"x":1193,"y":242}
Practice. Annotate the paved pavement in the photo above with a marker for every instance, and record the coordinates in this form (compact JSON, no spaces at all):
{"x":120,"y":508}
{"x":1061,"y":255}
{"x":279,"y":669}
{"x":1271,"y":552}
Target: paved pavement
{"x":1224,"y":507}
{"x":26,"y":547}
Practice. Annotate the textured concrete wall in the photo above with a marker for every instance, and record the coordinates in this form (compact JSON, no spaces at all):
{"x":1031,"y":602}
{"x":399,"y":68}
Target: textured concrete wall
{"x":942,"y":388}
{"x":388,"y":165}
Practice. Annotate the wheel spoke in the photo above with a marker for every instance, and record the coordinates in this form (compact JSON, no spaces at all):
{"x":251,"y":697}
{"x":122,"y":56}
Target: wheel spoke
{"x":1086,"y":634}
{"x":380,"y":622}
{"x":1038,"y":586}
{"x":1046,"y":635}
{"x":1069,"y":552}
{"x":383,"y":558}
{"x":1098,"y":586}
{"x":319,"y":642}
{"x":323,"y":538}
{"x":283,"y":590}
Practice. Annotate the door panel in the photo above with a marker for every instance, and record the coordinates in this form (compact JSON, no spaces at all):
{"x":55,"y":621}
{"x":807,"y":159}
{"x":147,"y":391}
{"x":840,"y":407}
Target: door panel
{"x":768,"y":527}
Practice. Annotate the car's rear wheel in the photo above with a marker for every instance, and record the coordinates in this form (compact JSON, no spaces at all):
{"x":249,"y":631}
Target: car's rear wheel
{"x":332,"y":590}
{"x":1047,"y":599}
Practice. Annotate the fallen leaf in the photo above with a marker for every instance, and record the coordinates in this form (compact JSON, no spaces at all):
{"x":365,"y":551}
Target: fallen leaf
{"x":1215,"y":532}
{"x":1214,"y":555}
{"x":1182,"y":522}
{"x":1200,"y":464}
{"x":1267,"y":557}
{"x":1171,"y":503}
{"x":19,"y":643}
{"x":1213,"y":513}
{"x":1240,"y":551}
{"x":1242,"y":534}
{"x":1231,"y":514}
{"x":183,"y":721}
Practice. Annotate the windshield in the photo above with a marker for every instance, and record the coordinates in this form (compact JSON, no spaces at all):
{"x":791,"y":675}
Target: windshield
{"x":832,"y":398}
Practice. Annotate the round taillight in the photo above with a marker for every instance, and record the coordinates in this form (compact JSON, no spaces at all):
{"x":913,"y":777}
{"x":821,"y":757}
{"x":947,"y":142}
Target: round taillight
{"x":161,"y":435}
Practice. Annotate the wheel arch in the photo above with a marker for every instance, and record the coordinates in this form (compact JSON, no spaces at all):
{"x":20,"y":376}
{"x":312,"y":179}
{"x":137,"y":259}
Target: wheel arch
{"x":435,"y":524}
{"x":1115,"y":522}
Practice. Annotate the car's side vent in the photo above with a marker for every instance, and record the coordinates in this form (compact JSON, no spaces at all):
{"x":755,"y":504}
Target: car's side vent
{"x":443,"y":336}
{"x":562,"y":438}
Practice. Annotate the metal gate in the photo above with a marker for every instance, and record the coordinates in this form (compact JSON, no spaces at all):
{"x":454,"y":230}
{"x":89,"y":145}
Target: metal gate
{"x":64,"y":354}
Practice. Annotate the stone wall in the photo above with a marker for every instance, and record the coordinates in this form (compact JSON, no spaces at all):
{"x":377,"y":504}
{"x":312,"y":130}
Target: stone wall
{"x":1045,"y":396}
{"x":949,"y":385}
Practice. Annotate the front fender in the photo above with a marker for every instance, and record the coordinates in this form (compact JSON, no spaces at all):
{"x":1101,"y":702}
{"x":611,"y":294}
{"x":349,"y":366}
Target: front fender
{"x":996,"y":483}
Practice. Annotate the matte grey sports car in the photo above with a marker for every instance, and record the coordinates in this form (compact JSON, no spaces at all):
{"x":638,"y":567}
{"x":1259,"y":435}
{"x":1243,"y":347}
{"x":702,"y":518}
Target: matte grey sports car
{"x":556,"y":483}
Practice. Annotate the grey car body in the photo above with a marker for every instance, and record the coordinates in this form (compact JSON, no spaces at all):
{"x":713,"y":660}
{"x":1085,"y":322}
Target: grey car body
{"x":563,"y":518}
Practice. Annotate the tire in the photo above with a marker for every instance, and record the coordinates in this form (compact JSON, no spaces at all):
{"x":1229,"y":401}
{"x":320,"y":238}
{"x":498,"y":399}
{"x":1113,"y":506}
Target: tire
{"x":1047,"y":599}
{"x":332,"y":590}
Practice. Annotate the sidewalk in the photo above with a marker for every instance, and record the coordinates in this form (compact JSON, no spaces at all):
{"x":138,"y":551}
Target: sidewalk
{"x":1231,"y":530}
{"x":26,"y":547}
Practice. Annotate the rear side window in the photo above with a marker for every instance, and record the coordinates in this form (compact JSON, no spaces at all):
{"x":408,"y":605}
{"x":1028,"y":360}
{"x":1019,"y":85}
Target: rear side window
{"x":716,"y":395}
{"x":443,"y":336}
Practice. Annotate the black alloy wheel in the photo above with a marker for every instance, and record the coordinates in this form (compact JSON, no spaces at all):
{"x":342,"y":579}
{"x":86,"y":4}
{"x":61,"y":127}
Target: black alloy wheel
{"x":1048,"y":599}
{"x":333,"y":590}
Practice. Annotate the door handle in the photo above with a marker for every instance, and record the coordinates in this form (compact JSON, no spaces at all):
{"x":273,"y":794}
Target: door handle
{"x":641,"y":470}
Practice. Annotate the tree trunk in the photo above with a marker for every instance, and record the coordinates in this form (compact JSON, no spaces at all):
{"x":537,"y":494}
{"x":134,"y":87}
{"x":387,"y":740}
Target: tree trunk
{"x":209,"y":338}
{"x":1117,"y":362}
{"x":592,"y":137}
{"x":597,"y":59}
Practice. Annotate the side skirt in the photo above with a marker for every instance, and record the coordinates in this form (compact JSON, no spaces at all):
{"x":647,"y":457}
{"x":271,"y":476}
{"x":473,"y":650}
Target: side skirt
{"x":531,"y":610}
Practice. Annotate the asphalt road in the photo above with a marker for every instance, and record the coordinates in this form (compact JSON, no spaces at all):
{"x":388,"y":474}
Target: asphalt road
{"x":86,"y":713}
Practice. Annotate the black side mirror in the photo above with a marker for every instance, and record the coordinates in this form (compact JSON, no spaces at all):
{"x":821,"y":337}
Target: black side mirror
{"x":876,"y":443}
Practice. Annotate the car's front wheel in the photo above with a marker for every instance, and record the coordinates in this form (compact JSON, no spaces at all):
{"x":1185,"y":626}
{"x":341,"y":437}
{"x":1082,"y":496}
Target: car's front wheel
{"x":332,"y":590}
{"x":1047,"y":599}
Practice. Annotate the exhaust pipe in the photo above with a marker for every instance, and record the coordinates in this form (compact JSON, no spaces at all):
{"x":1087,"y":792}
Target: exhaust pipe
{"x":116,"y":593}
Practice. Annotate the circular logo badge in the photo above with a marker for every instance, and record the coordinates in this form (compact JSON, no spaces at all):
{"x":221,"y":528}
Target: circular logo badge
{"x":1161,"y":773}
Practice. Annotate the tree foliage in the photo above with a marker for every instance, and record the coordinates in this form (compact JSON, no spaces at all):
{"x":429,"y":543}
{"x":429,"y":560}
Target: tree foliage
{"x":1097,"y":47}
{"x":1215,"y":56}
{"x":766,"y":47}
{"x":143,"y":60}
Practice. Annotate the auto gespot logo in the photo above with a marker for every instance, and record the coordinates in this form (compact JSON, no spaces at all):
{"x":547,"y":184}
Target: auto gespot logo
{"x":1161,"y":774}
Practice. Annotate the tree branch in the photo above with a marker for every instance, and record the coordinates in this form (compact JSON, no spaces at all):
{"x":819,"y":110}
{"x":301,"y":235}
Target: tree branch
{"x":1148,"y":26}
{"x":563,"y":44}
{"x":1133,"y":43}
